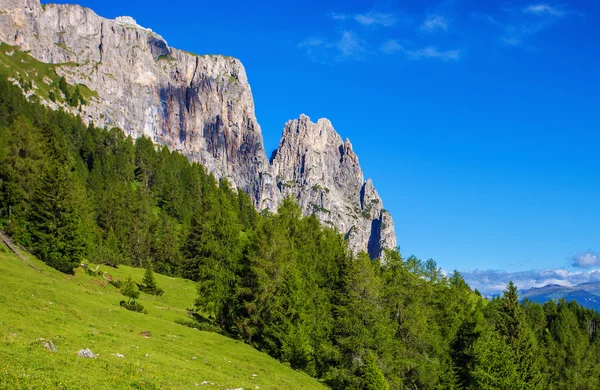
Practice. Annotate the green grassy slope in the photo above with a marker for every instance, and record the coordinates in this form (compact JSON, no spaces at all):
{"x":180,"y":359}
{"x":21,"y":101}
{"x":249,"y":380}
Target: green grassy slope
{"x":43,"y":77}
{"x":82,"y":311}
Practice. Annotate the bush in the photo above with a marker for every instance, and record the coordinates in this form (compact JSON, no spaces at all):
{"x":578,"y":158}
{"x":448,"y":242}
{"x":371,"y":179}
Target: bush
{"x":117,"y":283}
{"x":134,"y":306}
{"x":205,"y":326}
{"x":93,"y":273}
{"x":130,"y":290}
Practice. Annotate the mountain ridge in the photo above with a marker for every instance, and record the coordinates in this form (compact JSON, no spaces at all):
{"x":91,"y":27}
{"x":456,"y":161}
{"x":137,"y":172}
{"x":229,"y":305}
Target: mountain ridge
{"x":203,"y":107}
{"x":585,"y":294}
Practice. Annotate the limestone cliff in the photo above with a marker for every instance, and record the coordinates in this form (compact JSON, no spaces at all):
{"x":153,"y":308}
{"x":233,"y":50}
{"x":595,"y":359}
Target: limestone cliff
{"x":203,"y":107}
{"x":318,"y":168}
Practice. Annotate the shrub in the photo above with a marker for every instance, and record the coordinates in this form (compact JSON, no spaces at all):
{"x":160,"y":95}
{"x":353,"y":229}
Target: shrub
{"x":117,"y":283}
{"x":130,"y":290}
{"x":204,"y":326}
{"x":134,"y":306}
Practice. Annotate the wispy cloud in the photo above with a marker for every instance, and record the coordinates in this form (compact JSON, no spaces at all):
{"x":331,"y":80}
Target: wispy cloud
{"x":371,"y":18}
{"x":434,"y":23}
{"x":493,"y":282}
{"x":391,"y":46}
{"x":512,"y":41}
{"x":543,"y":9}
{"x":314,"y":47}
{"x":350,"y":45}
{"x":346,"y":46}
{"x":585,"y":259}
{"x":432,"y":52}
{"x":517,"y":27}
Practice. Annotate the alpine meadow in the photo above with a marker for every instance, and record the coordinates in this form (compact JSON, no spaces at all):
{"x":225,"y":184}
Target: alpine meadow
{"x":148,"y":242}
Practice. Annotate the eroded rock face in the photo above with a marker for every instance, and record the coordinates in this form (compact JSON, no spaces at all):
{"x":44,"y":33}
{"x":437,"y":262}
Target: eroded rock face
{"x":314,"y":165}
{"x":203,"y":107}
{"x":199,"y":105}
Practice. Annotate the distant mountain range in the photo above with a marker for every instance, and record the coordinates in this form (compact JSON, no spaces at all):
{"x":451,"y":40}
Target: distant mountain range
{"x":585,"y":294}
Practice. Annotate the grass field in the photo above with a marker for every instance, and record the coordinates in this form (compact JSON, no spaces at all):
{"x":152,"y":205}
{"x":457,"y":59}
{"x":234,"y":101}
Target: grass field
{"x":82,"y":311}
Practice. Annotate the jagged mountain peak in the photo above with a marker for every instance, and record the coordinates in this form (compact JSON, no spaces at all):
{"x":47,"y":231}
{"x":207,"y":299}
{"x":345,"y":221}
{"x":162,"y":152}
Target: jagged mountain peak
{"x":202,"y":106}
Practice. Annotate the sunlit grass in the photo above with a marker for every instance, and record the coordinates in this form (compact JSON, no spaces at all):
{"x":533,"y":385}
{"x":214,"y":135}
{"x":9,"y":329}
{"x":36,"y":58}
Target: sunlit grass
{"x":82,"y":311}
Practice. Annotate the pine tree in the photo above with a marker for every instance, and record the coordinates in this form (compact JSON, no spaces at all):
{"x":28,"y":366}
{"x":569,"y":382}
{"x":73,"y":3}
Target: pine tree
{"x":149,"y":285}
{"x":130,"y":290}
{"x":373,"y":378}
{"x":212,"y":252}
{"x":55,"y":221}
{"x":62,"y":85}
{"x":520,"y":338}
{"x":495,"y":366}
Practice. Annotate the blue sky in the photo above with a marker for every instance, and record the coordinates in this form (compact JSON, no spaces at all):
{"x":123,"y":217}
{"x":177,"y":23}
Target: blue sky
{"x":477,"y":121}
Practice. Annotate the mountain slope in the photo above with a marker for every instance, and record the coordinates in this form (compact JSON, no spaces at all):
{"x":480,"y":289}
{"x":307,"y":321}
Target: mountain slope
{"x":82,"y":311}
{"x":585,"y":294}
{"x":199,"y":105}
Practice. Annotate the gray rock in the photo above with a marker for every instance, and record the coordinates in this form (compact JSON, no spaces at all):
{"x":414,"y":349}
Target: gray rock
{"x":201,"y":106}
{"x":86,"y":353}
{"x":49,"y":345}
{"x":314,"y":165}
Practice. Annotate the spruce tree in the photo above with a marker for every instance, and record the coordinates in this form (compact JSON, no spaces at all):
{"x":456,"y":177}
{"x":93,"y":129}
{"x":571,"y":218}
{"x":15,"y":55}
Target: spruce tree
{"x":212,"y":252}
{"x":519,"y":337}
{"x":55,"y":221}
{"x":130,"y":290}
{"x":149,"y":285}
{"x":372,"y":376}
{"x":62,"y":85}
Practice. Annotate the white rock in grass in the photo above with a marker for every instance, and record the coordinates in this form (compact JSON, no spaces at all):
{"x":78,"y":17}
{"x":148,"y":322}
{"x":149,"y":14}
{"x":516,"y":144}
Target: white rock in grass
{"x":86,"y":353}
{"x":50,"y":346}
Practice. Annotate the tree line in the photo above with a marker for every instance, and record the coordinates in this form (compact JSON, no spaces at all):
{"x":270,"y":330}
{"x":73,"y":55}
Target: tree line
{"x":280,"y":282}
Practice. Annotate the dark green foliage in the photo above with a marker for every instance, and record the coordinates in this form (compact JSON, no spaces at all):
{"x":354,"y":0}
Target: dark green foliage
{"x":55,"y":223}
{"x":63,"y":86}
{"x":130,"y":290}
{"x":149,"y":285}
{"x":116,"y":282}
{"x":372,"y":377}
{"x":281,"y":282}
{"x":134,"y":306}
{"x":203,"y":326}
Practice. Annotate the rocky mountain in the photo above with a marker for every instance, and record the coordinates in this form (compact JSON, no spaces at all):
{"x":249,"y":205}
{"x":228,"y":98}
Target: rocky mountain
{"x":203,"y":107}
{"x":585,"y":294}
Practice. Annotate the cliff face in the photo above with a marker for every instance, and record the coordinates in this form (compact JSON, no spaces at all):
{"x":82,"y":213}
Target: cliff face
{"x":203,"y":107}
{"x":199,"y":105}
{"x":314,"y":165}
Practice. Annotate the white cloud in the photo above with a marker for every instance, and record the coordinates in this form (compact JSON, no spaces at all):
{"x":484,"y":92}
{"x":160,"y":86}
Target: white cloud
{"x":350,"y":46}
{"x":312,"y":42}
{"x":391,"y":46}
{"x":432,"y":52}
{"x":543,"y":9}
{"x":512,"y":41}
{"x":585,"y":260}
{"x":373,"y":18}
{"x":435,"y":23}
{"x":493,"y":282}
{"x":337,"y":16}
